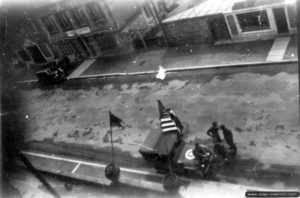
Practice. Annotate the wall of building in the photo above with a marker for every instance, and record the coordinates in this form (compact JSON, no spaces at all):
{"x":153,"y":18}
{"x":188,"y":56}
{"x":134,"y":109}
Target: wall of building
{"x":192,"y":30}
{"x":91,"y":37}
{"x":239,"y":36}
{"x":67,"y":8}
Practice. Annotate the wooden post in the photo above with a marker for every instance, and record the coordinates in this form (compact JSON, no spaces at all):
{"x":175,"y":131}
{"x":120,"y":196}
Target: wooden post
{"x":160,"y":24}
{"x":142,"y":39}
{"x":298,"y":46}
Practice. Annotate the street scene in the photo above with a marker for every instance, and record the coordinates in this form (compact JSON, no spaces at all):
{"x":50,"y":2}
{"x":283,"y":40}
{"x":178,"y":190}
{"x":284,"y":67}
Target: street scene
{"x":122,"y":98}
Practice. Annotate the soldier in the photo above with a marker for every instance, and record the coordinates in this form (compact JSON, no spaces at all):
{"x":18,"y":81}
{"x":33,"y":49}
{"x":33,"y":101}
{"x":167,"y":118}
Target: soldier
{"x":228,"y":137}
{"x":203,"y":157}
{"x":199,"y":153}
{"x":213,"y":132}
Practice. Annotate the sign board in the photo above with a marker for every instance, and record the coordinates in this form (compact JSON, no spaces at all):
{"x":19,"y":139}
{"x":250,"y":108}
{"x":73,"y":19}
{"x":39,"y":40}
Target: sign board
{"x":84,"y":30}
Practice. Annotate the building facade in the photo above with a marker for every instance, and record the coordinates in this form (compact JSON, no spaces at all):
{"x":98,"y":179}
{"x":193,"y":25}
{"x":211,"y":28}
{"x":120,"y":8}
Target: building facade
{"x":87,"y":28}
{"x":254,"y":22}
{"x":228,"y":21}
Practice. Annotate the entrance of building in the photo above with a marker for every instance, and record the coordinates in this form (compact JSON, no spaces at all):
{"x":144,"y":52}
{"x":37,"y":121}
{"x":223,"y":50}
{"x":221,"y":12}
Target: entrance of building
{"x":280,"y":19}
{"x":218,"y":28}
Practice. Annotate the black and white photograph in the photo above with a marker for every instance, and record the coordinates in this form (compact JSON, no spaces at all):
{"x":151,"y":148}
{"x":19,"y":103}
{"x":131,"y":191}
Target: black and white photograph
{"x":149,"y":98}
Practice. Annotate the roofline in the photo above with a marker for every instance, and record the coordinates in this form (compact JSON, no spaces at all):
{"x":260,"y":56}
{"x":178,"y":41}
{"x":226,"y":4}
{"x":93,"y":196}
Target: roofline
{"x":200,"y":17}
{"x":233,"y":11}
{"x":259,"y":8}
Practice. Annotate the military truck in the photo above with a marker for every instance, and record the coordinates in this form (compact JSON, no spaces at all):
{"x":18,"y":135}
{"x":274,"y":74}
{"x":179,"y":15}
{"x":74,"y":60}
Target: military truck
{"x":167,"y":150}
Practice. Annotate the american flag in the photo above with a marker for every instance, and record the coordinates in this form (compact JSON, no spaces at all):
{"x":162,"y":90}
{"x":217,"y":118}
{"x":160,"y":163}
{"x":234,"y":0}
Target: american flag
{"x":167,"y":124}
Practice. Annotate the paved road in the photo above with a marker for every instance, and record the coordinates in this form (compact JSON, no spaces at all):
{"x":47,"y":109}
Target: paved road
{"x":201,"y":76}
{"x":237,"y":83}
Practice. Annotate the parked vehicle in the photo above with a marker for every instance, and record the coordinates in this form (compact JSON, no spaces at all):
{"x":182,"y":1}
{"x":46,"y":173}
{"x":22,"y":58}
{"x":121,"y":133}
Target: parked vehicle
{"x":55,"y":71}
{"x":162,"y":150}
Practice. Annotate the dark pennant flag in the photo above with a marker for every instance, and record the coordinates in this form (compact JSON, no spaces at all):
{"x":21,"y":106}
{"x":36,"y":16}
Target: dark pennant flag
{"x":167,"y":124}
{"x":114,"y":120}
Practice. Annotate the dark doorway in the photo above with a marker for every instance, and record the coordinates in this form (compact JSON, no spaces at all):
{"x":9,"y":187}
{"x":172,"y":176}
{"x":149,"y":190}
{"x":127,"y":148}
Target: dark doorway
{"x":218,"y":28}
{"x":80,"y":47}
{"x":83,"y":46}
{"x":36,"y":54}
{"x":88,"y":43}
{"x":280,"y":19}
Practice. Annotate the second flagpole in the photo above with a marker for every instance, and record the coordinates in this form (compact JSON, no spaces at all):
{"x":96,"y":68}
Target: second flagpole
{"x":111,"y":141}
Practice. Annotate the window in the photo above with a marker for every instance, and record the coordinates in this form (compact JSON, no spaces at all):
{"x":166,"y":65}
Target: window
{"x":63,"y":20}
{"x":148,"y":11}
{"x":24,"y":55}
{"x":31,"y":28}
{"x":46,"y":51}
{"x":253,"y":21}
{"x":50,"y":24}
{"x":63,"y":48}
{"x":292,"y":14}
{"x":95,"y":12}
{"x":79,"y":17}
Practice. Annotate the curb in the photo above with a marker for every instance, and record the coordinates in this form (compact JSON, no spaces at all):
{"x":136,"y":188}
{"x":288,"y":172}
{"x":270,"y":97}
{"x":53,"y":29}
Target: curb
{"x":180,"y":69}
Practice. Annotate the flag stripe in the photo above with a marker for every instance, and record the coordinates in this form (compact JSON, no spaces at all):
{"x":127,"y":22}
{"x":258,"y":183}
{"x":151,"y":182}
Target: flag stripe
{"x":168,"y":124}
{"x":170,"y":129}
{"x":165,"y":119}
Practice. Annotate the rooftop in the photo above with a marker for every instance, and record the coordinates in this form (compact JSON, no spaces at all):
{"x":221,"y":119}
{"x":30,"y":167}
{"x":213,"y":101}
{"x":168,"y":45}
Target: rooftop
{"x":214,"y":7}
{"x":209,"y":7}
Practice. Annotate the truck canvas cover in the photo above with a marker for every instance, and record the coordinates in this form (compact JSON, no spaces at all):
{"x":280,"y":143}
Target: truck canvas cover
{"x":159,"y":143}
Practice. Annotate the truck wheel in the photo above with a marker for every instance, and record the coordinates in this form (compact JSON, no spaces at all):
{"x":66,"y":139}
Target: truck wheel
{"x":112,"y":172}
{"x":171,"y":182}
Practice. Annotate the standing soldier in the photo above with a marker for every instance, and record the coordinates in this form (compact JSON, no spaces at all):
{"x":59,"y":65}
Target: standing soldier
{"x":213,"y":132}
{"x":228,"y":137}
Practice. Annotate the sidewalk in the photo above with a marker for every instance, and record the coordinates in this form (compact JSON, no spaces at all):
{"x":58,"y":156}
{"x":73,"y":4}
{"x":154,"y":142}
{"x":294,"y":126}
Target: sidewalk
{"x":94,"y":172}
{"x":180,"y":57}
{"x":184,"y":56}
{"x":191,"y":56}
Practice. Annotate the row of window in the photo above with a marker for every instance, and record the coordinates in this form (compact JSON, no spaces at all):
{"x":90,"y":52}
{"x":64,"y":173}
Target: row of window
{"x":37,"y":53}
{"x":78,"y":16}
{"x":88,"y":45}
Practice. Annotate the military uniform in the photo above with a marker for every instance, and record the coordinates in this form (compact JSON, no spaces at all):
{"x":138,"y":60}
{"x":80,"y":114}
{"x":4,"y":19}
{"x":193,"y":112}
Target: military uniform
{"x":228,"y":136}
{"x":213,"y":132}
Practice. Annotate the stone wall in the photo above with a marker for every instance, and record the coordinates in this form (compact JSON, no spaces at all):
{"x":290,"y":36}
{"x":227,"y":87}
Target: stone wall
{"x":187,"y":31}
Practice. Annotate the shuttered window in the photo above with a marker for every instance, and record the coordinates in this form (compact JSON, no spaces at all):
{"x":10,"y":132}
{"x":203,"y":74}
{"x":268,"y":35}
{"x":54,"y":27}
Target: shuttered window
{"x":50,"y":24}
{"x":63,"y":20}
{"x":232,"y":24}
{"x":292,"y":14}
{"x":95,"y":12}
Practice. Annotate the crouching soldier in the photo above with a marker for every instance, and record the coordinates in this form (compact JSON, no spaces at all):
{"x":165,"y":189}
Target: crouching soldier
{"x":228,"y":137}
{"x":203,"y":158}
{"x":198,"y":152}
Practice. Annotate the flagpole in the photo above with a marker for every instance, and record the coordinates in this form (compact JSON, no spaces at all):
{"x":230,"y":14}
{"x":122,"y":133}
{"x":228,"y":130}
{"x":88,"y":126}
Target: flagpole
{"x":169,"y":160}
{"x":112,"y":171}
{"x":111,"y":141}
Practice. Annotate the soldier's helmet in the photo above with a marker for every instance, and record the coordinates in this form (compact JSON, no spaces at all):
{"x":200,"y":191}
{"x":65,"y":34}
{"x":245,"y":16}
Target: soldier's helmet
{"x":215,"y":124}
